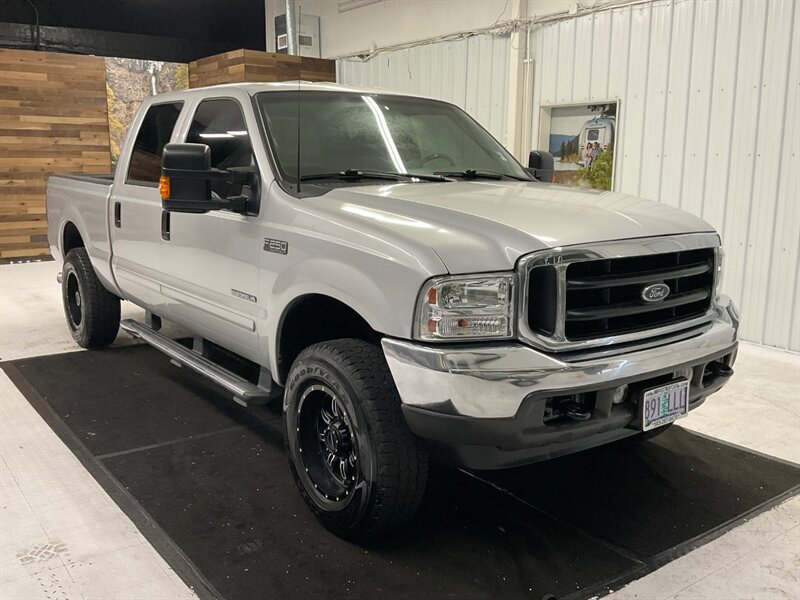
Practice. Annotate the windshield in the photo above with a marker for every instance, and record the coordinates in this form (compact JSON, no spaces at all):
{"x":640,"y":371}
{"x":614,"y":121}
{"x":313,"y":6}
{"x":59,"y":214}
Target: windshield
{"x":346,"y":131}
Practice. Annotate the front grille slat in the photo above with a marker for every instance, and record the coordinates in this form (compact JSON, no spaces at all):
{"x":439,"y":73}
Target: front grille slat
{"x":622,"y":310}
{"x":602,"y":297}
{"x":647,"y":277}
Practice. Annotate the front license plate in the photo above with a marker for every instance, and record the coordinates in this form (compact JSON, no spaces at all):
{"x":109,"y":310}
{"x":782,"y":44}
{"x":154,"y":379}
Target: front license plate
{"x":665,"y":404}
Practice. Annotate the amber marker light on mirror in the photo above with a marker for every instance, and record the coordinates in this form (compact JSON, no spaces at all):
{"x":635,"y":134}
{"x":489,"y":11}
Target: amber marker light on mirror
{"x":163,"y":187}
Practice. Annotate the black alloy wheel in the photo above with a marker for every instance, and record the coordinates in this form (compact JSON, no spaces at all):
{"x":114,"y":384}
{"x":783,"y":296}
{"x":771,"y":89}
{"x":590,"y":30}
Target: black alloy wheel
{"x":328,"y":448}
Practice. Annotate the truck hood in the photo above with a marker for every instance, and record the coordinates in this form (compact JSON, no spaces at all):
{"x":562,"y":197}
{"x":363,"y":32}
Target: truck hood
{"x":487,"y":226}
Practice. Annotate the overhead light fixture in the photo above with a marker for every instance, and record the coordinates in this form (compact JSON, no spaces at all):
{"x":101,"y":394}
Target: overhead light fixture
{"x":353,"y":4}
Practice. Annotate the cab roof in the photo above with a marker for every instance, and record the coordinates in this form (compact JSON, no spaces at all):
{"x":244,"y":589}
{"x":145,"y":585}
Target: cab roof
{"x":282,"y":86}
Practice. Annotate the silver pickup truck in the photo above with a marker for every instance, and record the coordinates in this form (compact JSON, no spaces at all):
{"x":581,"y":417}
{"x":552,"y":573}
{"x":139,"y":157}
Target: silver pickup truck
{"x":410,"y":291}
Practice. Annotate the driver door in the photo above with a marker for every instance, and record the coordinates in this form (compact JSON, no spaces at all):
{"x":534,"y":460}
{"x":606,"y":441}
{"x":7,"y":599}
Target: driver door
{"x":210,"y":260}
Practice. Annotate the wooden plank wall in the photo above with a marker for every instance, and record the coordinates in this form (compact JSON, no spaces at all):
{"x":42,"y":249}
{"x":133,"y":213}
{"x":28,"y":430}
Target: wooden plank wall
{"x":252,"y":65}
{"x":53,"y":119}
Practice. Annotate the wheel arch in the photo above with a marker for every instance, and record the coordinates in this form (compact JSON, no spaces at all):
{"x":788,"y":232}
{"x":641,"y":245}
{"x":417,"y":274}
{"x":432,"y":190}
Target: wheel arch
{"x":71,"y":237}
{"x":312,"y":318}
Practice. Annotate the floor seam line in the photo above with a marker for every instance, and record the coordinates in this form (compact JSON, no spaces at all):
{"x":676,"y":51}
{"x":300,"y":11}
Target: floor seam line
{"x":610,"y":545}
{"x":167,"y":443}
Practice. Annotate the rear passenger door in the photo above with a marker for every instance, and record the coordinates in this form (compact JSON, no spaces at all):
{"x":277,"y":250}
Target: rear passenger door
{"x":136,"y":208}
{"x":210,"y":261}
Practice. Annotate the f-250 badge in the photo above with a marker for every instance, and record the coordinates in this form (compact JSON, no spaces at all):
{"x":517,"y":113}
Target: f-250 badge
{"x":276,"y":246}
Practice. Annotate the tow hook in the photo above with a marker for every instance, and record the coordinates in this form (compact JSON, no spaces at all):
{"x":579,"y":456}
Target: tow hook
{"x":575,"y":411}
{"x":721,"y":369}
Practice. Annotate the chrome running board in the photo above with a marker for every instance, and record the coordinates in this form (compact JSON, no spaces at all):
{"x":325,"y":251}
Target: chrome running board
{"x":244,"y":392}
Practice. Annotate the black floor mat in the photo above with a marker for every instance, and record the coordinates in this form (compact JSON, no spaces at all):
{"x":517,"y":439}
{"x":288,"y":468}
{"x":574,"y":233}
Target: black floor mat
{"x":214,"y":477}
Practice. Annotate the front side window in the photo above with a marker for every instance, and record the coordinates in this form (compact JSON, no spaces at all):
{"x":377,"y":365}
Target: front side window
{"x":219,"y":123}
{"x":154,"y":133}
{"x":341,"y":131}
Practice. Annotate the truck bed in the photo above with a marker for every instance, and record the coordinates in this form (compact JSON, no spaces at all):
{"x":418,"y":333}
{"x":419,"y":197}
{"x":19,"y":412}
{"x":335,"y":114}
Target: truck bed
{"x":102,"y":178}
{"x":82,"y":199}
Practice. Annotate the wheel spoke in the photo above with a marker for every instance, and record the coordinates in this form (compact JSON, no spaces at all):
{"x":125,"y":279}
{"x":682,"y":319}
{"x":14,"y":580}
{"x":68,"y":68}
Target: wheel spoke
{"x":330,"y":459}
{"x":337,"y":410}
{"x":343,"y":469}
{"x":326,"y":416}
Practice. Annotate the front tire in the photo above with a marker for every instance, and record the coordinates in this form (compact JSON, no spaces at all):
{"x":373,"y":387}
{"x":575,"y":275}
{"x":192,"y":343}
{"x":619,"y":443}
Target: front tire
{"x":92,"y":312}
{"x":357,"y":465}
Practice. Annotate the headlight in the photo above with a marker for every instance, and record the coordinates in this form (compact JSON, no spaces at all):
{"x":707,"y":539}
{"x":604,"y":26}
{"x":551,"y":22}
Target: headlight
{"x":718,"y":273}
{"x":466,"y":307}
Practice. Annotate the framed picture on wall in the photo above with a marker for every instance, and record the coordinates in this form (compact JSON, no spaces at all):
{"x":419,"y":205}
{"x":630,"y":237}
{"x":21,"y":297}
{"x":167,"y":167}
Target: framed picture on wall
{"x":581,"y":138}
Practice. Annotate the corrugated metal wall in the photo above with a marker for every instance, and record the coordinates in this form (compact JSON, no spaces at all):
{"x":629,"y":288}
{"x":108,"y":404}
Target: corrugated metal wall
{"x":471,"y":73}
{"x":710,"y":122}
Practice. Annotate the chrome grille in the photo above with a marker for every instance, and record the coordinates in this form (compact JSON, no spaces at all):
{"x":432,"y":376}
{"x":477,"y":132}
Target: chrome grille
{"x":604,"y":297}
{"x":581,"y":297}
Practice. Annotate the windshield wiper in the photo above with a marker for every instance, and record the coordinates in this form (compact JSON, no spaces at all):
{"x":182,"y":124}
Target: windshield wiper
{"x":359,"y":174}
{"x":479,"y":174}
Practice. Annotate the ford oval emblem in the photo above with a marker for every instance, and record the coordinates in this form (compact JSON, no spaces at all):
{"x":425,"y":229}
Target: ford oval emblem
{"x":655,"y":292}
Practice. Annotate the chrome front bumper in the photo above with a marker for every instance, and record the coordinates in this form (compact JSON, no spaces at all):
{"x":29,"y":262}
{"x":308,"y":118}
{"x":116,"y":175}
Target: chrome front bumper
{"x":492,"y":381}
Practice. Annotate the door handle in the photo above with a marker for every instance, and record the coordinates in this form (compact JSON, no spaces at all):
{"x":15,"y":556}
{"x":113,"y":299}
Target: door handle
{"x":117,"y":214}
{"x":165,"y":225}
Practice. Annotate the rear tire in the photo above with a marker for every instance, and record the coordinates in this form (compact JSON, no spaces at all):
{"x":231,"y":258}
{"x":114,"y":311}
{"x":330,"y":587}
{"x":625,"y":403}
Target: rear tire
{"x":357,"y":465}
{"x":92,"y":312}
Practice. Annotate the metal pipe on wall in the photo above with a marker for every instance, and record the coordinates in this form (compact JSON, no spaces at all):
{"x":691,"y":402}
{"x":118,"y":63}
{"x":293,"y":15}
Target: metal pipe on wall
{"x":291,"y":27}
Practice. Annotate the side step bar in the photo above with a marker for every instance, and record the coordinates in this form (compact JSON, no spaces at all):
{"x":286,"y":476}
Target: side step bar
{"x":243,"y":391}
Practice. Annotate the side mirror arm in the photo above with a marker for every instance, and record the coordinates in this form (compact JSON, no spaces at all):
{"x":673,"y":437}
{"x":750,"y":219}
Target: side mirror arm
{"x":237,"y":175}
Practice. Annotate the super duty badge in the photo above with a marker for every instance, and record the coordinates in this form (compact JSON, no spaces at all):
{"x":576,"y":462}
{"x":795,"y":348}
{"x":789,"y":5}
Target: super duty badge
{"x":276,"y":246}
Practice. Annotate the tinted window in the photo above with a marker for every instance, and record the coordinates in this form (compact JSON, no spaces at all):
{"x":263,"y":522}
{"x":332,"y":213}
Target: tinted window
{"x":593,"y":135}
{"x":154,"y":134}
{"x":220,"y":125}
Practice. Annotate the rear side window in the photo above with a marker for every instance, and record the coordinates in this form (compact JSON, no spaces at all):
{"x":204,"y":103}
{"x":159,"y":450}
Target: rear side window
{"x":154,"y":133}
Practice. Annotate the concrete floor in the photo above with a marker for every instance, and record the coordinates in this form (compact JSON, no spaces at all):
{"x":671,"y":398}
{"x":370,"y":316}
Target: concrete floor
{"x":61,"y":536}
